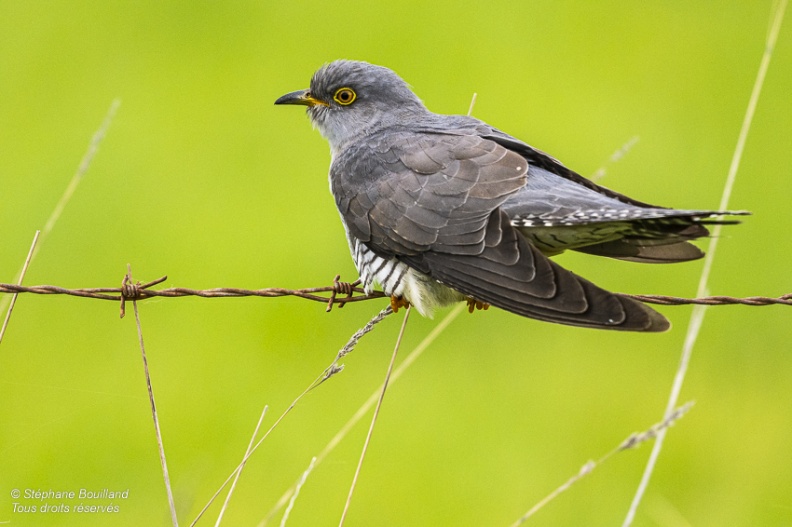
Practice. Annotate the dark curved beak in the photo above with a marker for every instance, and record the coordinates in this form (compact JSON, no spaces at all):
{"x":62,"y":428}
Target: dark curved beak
{"x":300,"y":97}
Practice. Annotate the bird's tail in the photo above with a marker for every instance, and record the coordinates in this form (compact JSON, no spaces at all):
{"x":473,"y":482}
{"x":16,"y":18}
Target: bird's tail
{"x":662,"y":240}
{"x":514,"y":275}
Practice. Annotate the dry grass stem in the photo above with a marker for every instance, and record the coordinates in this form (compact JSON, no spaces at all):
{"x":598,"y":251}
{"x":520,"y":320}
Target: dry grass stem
{"x":326,"y":374}
{"x":697,"y":317}
{"x":241,"y":466}
{"x":19,"y":282}
{"x":472,"y":104}
{"x":296,"y":493}
{"x":374,"y":417}
{"x":251,"y":451}
{"x":334,"y":368}
{"x":615,"y":158}
{"x":371,"y":401}
{"x":633,"y":441}
{"x":85,"y":163}
{"x":157,"y":431}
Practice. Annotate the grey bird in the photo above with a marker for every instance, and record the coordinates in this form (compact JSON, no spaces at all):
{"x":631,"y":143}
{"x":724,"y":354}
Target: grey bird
{"x":445,"y":208}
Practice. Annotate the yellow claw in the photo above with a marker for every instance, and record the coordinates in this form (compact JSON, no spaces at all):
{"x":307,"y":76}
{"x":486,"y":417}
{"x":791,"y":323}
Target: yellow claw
{"x":397,"y":302}
{"x":476,"y":304}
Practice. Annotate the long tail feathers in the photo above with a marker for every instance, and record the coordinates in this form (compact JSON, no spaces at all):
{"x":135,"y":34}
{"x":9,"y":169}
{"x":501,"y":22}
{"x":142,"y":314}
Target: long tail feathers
{"x":517,"y":277}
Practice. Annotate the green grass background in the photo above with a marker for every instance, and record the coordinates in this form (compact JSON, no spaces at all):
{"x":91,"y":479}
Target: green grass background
{"x":203,"y":179}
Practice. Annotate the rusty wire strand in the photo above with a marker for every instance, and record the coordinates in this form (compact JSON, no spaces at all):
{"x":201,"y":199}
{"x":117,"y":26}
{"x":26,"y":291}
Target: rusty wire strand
{"x":340,"y":293}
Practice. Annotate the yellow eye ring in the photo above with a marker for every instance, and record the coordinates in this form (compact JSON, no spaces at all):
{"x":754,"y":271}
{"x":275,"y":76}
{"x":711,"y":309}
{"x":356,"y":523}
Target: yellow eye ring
{"x":345,"y":96}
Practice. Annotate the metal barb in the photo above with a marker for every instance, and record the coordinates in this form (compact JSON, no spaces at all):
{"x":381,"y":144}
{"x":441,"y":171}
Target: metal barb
{"x":130,"y":290}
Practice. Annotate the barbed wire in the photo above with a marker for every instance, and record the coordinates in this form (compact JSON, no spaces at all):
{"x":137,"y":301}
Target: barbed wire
{"x":340,"y":294}
{"x":713,"y":300}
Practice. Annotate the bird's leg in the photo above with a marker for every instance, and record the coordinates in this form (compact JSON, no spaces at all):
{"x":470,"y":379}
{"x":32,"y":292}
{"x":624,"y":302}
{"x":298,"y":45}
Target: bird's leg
{"x":397,"y":302}
{"x":476,"y":304}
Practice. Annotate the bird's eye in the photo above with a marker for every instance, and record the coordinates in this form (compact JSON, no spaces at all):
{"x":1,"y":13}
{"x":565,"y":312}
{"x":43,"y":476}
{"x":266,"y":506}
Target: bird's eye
{"x":345,"y":96}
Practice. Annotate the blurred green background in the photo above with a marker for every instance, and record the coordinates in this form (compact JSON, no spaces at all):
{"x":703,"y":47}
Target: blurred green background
{"x":203,"y":179}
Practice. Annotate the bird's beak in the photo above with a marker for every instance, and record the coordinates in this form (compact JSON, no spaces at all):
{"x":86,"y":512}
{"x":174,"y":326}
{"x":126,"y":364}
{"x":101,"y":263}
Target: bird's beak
{"x":301,"y":97}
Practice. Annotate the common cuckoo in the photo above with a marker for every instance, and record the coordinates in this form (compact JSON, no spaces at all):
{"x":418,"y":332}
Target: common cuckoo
{"x":445,"y":208}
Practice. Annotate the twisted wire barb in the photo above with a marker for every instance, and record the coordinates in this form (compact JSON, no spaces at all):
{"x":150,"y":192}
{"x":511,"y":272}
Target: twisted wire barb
{"x":138,"y":291}
{"x":713,"y":300}
{"x":340,"y":293}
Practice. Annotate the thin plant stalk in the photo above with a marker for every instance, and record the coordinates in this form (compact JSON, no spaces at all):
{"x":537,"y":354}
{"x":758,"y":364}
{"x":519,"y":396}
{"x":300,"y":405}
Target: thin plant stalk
{"x":19,"y":282}
{"x":632,"y":442}
{"x":241,"y":466}
{"x":371,"y":401}
{"x":374,"y":417}
{"x":157,"y":431}
{"x":326,"y":374}
{"x":697,"y":316}
{"x":296,"y":493}
{"x":85,"y":163}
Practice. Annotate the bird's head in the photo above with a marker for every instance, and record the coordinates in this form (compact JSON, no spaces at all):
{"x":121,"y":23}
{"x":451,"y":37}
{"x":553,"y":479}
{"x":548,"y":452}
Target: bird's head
{"x":348,"y":99}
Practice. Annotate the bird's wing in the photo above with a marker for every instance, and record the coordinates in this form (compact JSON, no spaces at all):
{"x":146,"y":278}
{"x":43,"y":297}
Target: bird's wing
{"x":556,"y":202}
{"x":548,"y":199}
{"x":433,"y":201}
{"x":463,"y":125}
{"x":405,"y":193}
{"x":547,"y":162}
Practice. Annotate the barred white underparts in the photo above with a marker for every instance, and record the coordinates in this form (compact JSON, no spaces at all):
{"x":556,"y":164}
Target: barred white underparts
{"x":398,"y":279}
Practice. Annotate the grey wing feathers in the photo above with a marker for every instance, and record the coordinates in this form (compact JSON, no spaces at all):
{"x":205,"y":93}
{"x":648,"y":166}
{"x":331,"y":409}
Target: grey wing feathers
{"x":642,"y":251}
{"x":407,"y":193}
{"x":433,"y":201}
{"x":557,"y":214}
{"x":550,"y":199}
{"x":512,"y":274}
{"x":539,"y":159}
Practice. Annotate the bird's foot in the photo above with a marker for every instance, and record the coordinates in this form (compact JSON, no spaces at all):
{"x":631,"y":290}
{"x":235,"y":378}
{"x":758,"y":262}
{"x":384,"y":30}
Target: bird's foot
{"x":398,"y":302}
{"x":476,"y":304}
